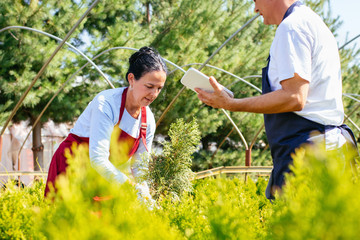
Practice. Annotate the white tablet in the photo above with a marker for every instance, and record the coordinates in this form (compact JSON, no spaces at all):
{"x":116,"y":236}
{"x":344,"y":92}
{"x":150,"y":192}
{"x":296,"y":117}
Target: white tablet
{"x":193,"y":78}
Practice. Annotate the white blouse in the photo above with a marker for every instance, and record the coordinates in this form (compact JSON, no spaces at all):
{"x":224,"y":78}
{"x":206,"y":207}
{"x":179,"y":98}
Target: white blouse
{"x":97,"y":123}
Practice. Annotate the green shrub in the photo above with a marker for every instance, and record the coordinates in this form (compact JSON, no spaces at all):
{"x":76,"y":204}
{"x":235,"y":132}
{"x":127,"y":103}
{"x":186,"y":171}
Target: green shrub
{"x":221,"y":209}
{"x":76,"y":215}
{"x":321,"y":198}
{"x":170,"y":172}
{"x":17,"y":209}
{"x":319,"y":201}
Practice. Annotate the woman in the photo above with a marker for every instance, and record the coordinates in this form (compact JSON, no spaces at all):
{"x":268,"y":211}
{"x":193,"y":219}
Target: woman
{"x":125,"y":108}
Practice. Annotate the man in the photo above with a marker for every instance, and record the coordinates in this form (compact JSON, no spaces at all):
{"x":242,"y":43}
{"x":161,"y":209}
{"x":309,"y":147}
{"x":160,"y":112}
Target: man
{"x":302,"y":86}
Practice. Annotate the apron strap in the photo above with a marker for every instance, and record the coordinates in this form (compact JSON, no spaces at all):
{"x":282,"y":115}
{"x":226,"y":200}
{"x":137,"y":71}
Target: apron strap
{"x":122,"y":107}
{"x":143,"y":127}
{"x":349,"y":136}
{"x":350,"y":132}
{"x":142,"y":134}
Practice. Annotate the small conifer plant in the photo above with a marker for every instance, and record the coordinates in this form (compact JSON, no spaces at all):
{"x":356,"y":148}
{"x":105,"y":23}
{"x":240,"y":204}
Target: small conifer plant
{"x":169,"y":173}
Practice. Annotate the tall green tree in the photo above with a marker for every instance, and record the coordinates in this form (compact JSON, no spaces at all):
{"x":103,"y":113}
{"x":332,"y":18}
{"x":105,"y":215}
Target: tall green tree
{"x":23,"y":53}
{"x":190,"y":31}
{"x":183,"y":31}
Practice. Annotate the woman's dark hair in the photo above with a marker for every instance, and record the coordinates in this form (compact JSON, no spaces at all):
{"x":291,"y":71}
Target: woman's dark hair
{"x":144,"y":61}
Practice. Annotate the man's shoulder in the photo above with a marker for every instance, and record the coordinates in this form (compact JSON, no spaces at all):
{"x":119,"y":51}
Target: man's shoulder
{"x":303,"y":17}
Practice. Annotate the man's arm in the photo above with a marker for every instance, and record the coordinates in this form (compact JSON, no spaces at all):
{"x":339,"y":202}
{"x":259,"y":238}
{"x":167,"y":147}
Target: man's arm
{"x":291,"y":97}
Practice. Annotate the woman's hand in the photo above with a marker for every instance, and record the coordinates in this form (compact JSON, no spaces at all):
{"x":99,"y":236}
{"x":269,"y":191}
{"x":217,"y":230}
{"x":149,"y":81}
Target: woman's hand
{"x":131,"y":182}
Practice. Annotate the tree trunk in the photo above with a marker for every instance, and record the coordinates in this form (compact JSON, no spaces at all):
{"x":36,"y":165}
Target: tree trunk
{"x":38,"y":148}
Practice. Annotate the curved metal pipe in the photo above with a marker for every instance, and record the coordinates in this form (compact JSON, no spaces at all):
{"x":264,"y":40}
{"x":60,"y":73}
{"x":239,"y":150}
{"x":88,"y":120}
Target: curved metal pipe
{"x":246,"y":82}
{"x":67,"y":81}
{"x":43,"y":69}
{"x":169,"y":106}
{"x":212,"y":55}
{"x":347,"y":117}
{"x":37,"y":120}
{"x":352,"y":94}
{"x":135,"y":49}
{"x":180,"y":68}
{"x":236,"y":128}
{"x":349,"y":42}
{"x":239,"y":79}
{"x":248,"y":151}
{"x":50,"y":101}
{"x":68,"y":44}
{"x":229,"y":73}
{"x":45,"y":65}
{"x":352,"y":112}
{"x":221,"y":143}
{"x":352,"y":122}
{"x":227,"y":40}
{"x":256,"y":135}
{"x":73,"y":75}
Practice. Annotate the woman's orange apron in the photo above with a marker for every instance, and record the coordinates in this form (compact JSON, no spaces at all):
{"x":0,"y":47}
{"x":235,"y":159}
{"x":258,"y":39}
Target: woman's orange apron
{"x":59,"y":162}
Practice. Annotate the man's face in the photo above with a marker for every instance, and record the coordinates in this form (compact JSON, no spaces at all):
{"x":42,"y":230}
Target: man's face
{"x":267,"y":10}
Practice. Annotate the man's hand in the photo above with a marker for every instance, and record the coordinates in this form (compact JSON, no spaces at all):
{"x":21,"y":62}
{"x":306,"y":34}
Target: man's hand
{"x":291,"y":97}
{"x":217,"y":99}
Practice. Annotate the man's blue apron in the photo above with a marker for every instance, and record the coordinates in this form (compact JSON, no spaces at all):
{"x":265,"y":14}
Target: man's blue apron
{"x":287,"y":131}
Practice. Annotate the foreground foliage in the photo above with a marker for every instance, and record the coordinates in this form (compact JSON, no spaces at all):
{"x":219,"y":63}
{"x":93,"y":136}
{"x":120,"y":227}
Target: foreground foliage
{"x":320,"y":201}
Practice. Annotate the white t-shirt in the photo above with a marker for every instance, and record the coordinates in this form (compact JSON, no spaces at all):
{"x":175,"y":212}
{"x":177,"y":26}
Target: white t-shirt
{"x":97,"y":123}
{"x":303,"y":44}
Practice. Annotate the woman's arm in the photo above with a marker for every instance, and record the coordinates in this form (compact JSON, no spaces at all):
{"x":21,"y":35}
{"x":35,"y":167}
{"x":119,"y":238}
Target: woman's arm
{"x":101,"y":127}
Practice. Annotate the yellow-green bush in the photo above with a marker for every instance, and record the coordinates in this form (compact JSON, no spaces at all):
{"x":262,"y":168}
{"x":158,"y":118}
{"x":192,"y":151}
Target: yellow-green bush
{"x":75,"y":215}
{"x":221,"y":209}
{"x":17,"y":208}
{"x":320,"y":201}
{"x":321,"y":198}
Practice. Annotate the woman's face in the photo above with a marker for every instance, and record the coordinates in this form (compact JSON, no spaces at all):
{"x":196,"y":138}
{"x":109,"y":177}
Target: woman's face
{"x":147,"y":88}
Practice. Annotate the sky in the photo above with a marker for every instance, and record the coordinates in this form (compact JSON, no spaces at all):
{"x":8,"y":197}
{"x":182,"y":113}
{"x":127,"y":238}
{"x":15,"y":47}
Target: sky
{"x":349,"y":12}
